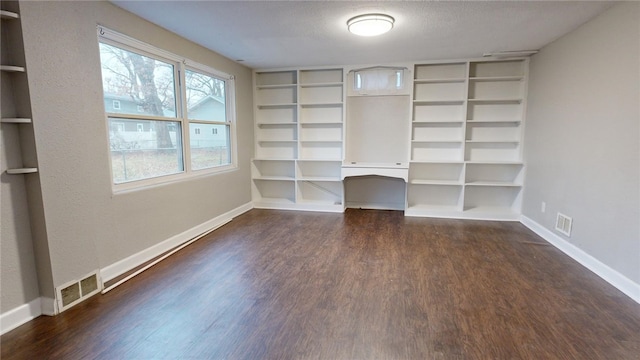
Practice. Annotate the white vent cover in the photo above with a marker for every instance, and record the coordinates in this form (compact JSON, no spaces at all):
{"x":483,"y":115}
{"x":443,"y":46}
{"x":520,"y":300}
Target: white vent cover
{"x":563,"y":224}
{"x":76,"y":291}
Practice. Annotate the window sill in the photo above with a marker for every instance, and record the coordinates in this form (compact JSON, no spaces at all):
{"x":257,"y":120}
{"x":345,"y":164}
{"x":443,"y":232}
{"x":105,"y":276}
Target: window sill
{"x":140,"y":185}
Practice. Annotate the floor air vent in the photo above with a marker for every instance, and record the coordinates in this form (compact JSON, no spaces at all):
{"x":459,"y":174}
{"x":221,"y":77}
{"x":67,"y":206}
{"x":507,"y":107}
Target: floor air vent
{"x":563,"y":224}
{"x":77,"y":291}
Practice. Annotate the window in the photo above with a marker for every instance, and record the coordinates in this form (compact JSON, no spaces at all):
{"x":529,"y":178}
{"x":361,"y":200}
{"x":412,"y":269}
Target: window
{"x":171,"y":97}
{"x":116,"y":104}
{"x":378,"y":81}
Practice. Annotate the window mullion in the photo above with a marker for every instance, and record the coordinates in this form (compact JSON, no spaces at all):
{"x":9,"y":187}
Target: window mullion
{"x":186,"y":136}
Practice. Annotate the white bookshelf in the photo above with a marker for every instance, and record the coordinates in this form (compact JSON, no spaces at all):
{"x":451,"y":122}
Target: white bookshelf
{"x":462,"y":151}
{"x":466,"y":153}
{"x":299,"y":135}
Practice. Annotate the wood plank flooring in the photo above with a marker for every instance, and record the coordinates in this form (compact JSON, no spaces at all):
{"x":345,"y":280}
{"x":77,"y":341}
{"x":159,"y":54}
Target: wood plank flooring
{"x":360,"y":285}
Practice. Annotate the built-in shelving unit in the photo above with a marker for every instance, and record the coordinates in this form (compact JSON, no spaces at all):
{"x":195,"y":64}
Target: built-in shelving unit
{"x":299,"y":136}
{"x":464,"y":149}
{"x":466,"y":155}
{"x":15,"y":109}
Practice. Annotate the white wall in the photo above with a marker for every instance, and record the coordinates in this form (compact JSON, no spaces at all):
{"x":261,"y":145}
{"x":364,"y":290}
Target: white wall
{"x":583,"y":135}
{"x":87,"y":227}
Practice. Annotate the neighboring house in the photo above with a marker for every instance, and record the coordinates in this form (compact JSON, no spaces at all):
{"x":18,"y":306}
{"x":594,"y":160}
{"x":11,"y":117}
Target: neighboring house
{"x":201,"y":135}
{"x":141,"y":134}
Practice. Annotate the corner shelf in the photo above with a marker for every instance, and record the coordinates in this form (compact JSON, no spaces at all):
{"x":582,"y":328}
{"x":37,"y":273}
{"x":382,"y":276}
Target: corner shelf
{"x":12,"y":68}
{"x":8,"y":15}
{"x":16,"y":120}
{"x":21,"y":171}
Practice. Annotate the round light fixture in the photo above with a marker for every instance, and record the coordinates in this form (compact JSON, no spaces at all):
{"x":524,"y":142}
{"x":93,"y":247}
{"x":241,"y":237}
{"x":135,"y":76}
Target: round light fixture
{"x":370,"y":24}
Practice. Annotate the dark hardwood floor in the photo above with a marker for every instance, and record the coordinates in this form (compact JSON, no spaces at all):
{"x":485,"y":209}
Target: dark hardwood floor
{"x":361,"y":285}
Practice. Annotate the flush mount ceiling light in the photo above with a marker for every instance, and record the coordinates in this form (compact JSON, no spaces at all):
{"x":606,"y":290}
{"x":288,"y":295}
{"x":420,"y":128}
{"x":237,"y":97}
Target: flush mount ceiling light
{"x":370,"y":24}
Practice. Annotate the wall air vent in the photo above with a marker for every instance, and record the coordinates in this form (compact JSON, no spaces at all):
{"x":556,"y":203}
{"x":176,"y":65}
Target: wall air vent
{"x":76,"y":291}
{"x":563,"y":224}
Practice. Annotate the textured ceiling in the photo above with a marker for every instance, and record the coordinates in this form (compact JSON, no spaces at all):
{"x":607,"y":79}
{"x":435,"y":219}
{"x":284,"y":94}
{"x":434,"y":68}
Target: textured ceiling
{"x":268,"y":34}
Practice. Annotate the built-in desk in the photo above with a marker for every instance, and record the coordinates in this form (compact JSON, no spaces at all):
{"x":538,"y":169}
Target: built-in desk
{"x":397,"y":170}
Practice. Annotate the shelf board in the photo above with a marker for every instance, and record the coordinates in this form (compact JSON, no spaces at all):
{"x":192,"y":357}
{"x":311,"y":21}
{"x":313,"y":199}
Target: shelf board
{"x":16,"y":120}
{"x":320,"y":104}
{"x":439,"y":81}
{"x":436,"y":141}
{"x":278,"y":141}
{"x":320,"y":178}
{"x":497,"y":78}
{"x":274,"y":159}
{"x":274,"y":201}
{"x":322,"y":141}
{"x":496,"y":101}
{"x":320,"y":159}
{"x":492,"y":121}
{"x":328,"y":84}
{"x":11,"y":68}
{"x":319,"y":202}
{"x":355,"y":164}
{"x":435,"y":182}
{"x":20,"y":171}
{"x":286,"y":105}
{"x":438,"y":122}
{"x":339,"y":161}
{"x":277,"y":86}
{"x":276,"y":123}
{"x":8,"y":15}
{"x":436,"y":162}
{"x":274,"y":178}
{"x":492,"y":141}
{"x":491,"y":211}
{"x":476,"y":162}
{"x":438,"y":102}
{"x":493,"y":183}
{"x":434,"y":208}
{"x":320,"y":123}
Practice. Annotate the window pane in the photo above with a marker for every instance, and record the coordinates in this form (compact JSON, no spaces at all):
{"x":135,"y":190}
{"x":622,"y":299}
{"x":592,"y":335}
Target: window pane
{"x":205,"y":97}
{"x":136,"y":84}
{"x":209,"y":145}
{"x":142,"y":149}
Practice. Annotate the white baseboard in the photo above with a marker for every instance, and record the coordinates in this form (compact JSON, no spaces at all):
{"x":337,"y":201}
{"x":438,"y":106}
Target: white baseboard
{"x":116,"y":269}
{"x":48,"y":306}
{"x":375,"y":206}
{"x":611,"y":276}
{"x":20,"y":315}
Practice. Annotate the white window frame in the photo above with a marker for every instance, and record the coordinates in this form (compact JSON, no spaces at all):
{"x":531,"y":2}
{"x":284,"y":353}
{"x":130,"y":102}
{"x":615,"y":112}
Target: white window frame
{"x":111,"y":37}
